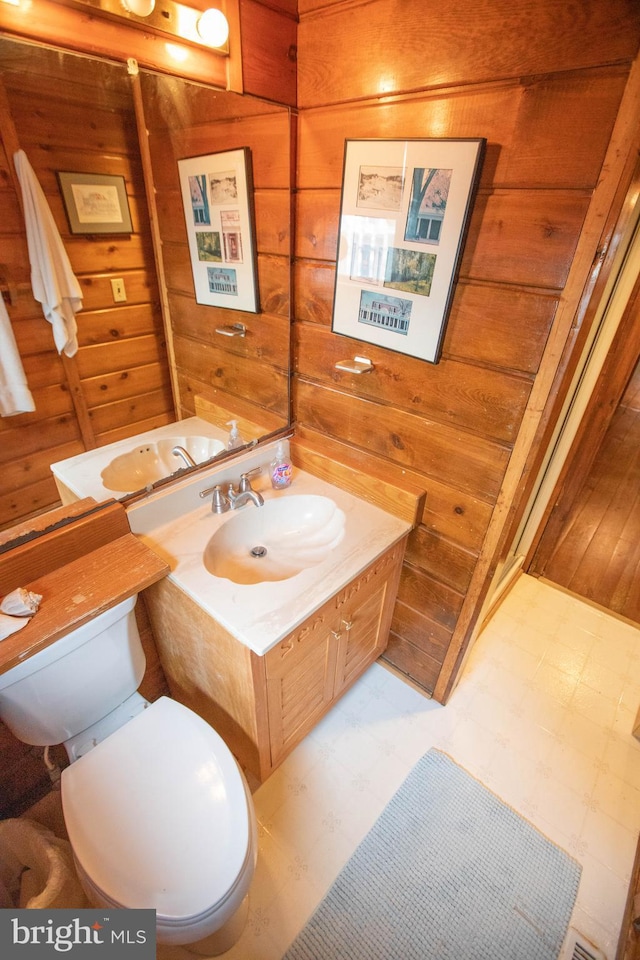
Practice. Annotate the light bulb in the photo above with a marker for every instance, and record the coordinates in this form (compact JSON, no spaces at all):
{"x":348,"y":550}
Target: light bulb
{"x":141,"y":8}
{"x":213,"y":27}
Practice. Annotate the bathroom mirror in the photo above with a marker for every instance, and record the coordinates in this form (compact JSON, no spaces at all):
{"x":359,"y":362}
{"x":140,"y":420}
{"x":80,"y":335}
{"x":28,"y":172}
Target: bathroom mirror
{"x":162,"y":358}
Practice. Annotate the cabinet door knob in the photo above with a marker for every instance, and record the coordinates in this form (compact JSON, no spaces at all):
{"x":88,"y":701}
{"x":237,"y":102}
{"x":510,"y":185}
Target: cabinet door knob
{"x":347,"y":624}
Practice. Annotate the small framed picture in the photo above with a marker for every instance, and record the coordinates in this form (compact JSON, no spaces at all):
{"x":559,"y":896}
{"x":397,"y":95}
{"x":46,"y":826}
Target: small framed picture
{"x":217,"y":195}
{"x":403,"y":220}
{"x":95,"y":203}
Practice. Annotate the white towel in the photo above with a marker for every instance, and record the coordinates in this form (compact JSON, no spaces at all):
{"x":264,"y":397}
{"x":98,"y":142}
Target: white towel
{"x":54,"y":283}
{"x":15,"y":396}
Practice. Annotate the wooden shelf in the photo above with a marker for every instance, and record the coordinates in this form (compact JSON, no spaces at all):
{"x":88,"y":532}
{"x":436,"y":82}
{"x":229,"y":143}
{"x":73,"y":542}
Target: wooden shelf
{"x":75,"y":591}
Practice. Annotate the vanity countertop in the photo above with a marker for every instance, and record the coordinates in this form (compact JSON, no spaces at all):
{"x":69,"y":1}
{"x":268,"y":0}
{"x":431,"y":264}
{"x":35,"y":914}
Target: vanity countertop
{"x":81,"y":475}
{"x":261,"y":614}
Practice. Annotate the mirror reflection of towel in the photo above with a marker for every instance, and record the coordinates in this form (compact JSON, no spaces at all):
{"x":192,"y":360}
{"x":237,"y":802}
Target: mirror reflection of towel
{"x":15,"y":396}
{"x":54,"y":283}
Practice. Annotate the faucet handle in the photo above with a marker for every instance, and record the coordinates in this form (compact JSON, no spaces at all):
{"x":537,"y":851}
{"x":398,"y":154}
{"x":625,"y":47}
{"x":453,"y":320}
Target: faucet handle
{"x":245,"y":479}
{"x":219,"y":503}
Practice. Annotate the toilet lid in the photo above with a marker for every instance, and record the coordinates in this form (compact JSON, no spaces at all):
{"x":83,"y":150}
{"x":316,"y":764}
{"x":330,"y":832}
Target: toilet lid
{"x":157,"y":813}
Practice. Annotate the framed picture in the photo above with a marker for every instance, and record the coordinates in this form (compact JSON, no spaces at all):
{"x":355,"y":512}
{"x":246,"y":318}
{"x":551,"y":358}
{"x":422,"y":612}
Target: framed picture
{"x":95,"y":203}
{"x":403,"y":219}
{"x":217,"y":195}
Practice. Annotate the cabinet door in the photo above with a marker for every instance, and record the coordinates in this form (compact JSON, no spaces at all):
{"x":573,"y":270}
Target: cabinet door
{"x":360,"y":638}
{"x":365,"y":611}
{"x":299,"y":675}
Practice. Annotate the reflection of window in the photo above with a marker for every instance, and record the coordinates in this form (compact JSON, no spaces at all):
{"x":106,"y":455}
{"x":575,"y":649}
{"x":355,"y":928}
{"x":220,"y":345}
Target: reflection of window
{"x":429,"y":228}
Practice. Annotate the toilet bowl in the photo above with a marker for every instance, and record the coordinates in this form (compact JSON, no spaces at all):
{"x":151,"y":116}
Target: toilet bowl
{"x":157,"y":810}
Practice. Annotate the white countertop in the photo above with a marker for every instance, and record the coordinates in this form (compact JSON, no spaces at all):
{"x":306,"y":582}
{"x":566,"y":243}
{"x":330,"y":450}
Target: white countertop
{"x":260,"y":615}
{"x":82,"y":474}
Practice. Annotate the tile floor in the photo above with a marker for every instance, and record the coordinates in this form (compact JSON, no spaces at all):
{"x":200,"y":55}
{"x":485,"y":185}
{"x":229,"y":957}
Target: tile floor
{"x":542,"y":715}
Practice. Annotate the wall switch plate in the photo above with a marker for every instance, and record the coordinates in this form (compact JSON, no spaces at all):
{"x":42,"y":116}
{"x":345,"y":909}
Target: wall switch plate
{"x":119,"y":292}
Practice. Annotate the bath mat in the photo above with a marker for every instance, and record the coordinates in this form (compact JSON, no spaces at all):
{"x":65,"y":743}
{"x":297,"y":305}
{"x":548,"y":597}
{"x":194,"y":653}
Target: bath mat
{"x":448,"y":872}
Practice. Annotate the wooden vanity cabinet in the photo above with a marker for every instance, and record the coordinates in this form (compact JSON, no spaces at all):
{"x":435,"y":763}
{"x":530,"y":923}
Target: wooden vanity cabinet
{"x":307,"y":671}
{"x":264,"y":706}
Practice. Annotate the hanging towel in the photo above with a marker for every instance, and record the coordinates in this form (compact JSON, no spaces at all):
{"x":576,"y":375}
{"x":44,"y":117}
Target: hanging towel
{"x":54,"y":284}
{"x":15,"y":396}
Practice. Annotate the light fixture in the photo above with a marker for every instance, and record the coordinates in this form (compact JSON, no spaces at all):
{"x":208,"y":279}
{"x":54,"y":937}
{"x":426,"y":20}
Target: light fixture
{"x":167,"y":17}
{"x":213,"y":27}
{"x":141,"y":8}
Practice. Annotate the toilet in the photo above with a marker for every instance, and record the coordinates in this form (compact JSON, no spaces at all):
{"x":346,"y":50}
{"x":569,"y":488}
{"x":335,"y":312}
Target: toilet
{"x":157,"y":810}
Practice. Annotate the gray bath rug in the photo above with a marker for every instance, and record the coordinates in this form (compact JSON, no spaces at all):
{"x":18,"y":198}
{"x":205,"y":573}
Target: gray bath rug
{"x":448,"y":872}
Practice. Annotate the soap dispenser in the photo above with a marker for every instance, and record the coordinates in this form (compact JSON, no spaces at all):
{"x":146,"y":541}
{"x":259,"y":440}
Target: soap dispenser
{"x":235,"y":440}
{"x":280,"y":469}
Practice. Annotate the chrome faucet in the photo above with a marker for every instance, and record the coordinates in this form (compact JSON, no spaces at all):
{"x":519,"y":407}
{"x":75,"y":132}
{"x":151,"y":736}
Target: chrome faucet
{"x":179,"y":451}
{"x":238,"y":499}
{"x":232,"y":499}
{"x":244,"y":493}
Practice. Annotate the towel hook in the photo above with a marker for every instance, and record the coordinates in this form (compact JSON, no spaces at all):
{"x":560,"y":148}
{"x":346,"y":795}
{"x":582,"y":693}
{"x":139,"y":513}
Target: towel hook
{"x":358,"y":365}
{"x":233,"y":330}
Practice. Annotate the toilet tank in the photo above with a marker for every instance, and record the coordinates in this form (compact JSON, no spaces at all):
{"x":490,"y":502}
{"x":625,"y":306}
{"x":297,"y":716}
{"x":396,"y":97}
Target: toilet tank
{"x":80,"y":678}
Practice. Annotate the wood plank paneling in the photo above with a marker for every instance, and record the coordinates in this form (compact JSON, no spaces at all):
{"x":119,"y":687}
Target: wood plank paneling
{"x":82,"y":120}
{"x":453,"y":42}
{"x":253,"y":369}
{"x":546,"y":101}
{"x":536,"y":130}
{"x":516,"y":321}
{"x":461,"y":459}
{"x":524,"y":237}
{"x":269,"y":54}
{"x":469,"y":398}
{"x":236,"y":376}
{"x":266,"y":338}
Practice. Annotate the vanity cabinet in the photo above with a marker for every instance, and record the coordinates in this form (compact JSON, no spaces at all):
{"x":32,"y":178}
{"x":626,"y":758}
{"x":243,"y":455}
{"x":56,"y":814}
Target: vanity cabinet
{"x":307,"y":671}
{"x":263,"y":706}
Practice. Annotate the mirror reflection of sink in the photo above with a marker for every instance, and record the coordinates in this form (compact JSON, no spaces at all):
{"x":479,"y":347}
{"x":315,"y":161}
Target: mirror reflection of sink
{"x":275,"y":541}
{"x":153,"y":461}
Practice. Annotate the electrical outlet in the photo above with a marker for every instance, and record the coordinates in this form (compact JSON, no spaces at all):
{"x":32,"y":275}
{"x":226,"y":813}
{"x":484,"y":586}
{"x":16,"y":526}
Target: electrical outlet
{"x":119,"y":292}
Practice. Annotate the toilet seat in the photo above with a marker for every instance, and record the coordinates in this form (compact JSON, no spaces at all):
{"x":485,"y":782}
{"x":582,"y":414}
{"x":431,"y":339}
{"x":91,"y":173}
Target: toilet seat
{"x":158,"y":815}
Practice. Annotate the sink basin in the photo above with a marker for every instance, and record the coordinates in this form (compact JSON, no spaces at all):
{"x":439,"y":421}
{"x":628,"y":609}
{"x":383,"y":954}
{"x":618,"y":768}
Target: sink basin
{"x":152,"y":461}
{"x":275,"y":541}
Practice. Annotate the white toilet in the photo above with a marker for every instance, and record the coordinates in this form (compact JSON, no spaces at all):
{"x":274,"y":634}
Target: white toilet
{"x":157,"y":810}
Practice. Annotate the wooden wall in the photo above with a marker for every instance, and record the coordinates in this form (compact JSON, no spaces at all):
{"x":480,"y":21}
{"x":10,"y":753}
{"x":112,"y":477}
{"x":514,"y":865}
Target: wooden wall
{"x":250,"y":374}
{"x":75,"y":114}
{"x":269,"y":35}
{"x":119,"y":382}
{"x":543,"y":83}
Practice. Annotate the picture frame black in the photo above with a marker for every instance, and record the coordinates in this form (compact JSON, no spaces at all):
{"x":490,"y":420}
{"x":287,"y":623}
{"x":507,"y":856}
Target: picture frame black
{"x":217,"y":196}
{"x":404,"y":214}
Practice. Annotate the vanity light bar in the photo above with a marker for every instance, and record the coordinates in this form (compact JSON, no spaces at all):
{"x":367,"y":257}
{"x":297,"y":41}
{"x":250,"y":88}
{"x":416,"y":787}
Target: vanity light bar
{"x":208,"y":28}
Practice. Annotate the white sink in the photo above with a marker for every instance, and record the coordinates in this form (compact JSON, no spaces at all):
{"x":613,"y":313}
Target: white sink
{"x":275,"y":541}
{"x":150,"y":462}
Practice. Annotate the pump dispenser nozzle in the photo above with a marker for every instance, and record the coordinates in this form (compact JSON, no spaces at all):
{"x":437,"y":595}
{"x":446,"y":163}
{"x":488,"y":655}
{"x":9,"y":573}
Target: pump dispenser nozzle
{"x":235,"y":440}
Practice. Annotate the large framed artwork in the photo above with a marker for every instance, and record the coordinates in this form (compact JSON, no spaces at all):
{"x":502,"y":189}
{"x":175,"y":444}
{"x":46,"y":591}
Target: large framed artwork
{"x":217,"y":195}
{"x":403,"y":219}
